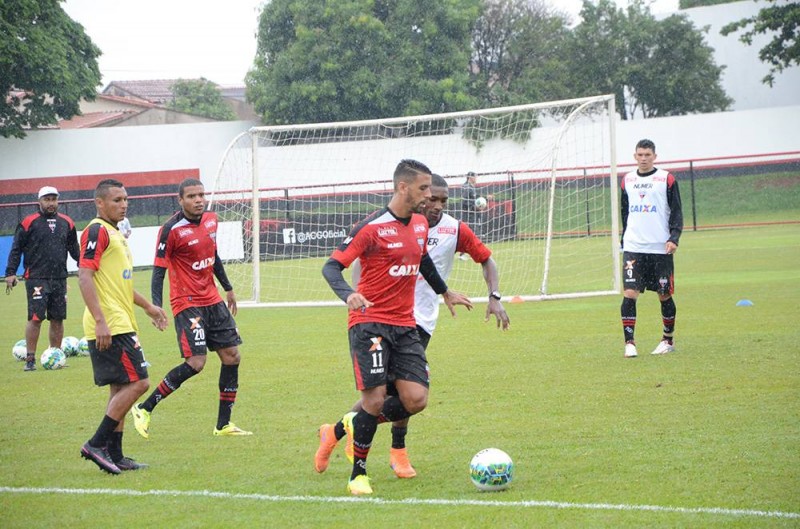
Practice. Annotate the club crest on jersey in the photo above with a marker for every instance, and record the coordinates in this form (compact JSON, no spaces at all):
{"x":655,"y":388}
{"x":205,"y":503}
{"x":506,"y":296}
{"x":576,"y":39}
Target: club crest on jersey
{"x":51,"y":223}
{"x":388,"y":231}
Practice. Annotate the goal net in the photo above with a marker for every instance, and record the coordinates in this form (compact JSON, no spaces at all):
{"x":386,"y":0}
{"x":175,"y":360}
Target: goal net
{"x":287,"y":196}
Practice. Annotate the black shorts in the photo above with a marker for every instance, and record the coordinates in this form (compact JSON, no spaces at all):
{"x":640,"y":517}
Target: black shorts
{"x":648,"y":271}
{"x":122,"y":363}
{"x":424,"y":339}
{"x":203,"y":328}
{"x":47,"y":299}
{"x":382,"y":353}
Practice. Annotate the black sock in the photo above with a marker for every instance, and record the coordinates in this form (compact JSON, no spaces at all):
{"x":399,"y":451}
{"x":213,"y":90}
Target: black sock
{"x":338,"y":430}
{"x":100,"y":437}
{"x":393,"y":410}
{"x":364,"y":427}
{"x":668,"y":312}
{"x":399,"y":436}
{"x":115,"y":446}
{"x":228,"y":387}
{"x":171,"y":382}
{"x":628,"y":312}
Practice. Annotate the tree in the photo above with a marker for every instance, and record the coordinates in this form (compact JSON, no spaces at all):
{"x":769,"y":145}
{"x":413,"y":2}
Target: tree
{"x":656,"y":68}
{"x":360,"y":59}
{"x":688,"y":4}
{"x":47,"y":65}
{"x":784,"y":48}
{"x":519,"y":53}
{"x":200,"y":97}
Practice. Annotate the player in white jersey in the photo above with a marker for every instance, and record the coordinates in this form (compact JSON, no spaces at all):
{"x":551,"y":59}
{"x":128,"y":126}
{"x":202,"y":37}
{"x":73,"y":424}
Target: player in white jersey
{"x":652,"y":222}
{"x":447,"y":236}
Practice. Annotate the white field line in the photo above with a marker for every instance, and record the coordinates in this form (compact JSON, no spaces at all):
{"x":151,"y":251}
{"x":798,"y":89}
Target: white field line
{"x":410,"y":501}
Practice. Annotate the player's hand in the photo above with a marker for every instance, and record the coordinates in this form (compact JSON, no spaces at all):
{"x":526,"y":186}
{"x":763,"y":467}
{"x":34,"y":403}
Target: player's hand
{"x":451,"y":299}
{"x":232,"y":302}
{"x":102,"y":336}
{"x":671,"y":247}
{"x":356,"y":301}
{"x":157,"y":316}
{"x":496,"y":308}
{"x":11,"y":282}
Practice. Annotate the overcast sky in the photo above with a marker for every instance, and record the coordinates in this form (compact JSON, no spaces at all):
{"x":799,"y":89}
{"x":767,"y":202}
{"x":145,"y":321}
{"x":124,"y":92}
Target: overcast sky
{"x":170,"y":39}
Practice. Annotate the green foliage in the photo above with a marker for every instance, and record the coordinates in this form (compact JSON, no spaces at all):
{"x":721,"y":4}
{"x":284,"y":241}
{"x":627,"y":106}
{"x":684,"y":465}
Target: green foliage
{"x":782,"y":22}
{"x":688,"y":4}
{"x":47,"y":63}
{"x":200,"y":97}
{"x":656,"y":68}
{"x":652,"y":442}
{"x":360,"y":59}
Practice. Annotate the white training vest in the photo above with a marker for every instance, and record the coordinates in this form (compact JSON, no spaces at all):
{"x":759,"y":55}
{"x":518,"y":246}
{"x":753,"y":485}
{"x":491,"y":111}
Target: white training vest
{"x":647,"y":229}
{"x":442,"y":242}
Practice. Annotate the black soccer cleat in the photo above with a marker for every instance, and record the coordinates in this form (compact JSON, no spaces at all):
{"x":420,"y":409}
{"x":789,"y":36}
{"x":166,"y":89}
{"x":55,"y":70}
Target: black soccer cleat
{"x":100,"y":457}
{"x":30,"y":365}
{"x":126,"y":463}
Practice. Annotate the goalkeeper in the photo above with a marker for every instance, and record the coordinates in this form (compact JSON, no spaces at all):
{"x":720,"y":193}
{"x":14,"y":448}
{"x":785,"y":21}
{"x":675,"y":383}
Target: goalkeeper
{"x":446,"y":237}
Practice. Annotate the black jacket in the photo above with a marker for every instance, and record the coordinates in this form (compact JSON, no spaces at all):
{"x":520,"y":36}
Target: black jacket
{"x":44,"y":240}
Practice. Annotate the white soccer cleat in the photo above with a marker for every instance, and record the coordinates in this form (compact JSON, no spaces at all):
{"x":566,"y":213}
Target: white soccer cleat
{"x":630,"y":350}
{"x":663,"y":348}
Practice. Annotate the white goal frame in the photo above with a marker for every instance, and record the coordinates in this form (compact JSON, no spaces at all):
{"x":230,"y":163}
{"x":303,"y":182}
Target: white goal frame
{"x":257,"y":180}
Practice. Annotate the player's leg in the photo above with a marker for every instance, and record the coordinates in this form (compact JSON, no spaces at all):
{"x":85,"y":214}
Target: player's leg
{"x":192,"y":345}
{"x":37,"y":312}
{"x":223,"y":337}
{"x":56,"y":310}
{"x":364,"y":426}
{"x":665,"y":289}
{"x":633,"y":264}
{"x":121,"y":367}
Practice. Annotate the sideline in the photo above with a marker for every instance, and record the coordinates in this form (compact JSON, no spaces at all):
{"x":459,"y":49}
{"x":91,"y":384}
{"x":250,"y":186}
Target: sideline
{"x":409,"y":501}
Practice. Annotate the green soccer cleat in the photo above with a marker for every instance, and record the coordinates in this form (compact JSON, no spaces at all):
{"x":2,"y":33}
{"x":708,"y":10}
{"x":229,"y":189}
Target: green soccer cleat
{"x":359,"y":485}
{"x":231,"y":429}
{"x":141,"y":420}
{"x":347,"y":421}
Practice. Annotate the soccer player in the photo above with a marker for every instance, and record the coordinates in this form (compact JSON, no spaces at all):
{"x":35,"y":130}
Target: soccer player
{"x":187,"y":247}
{"x":652,"y":222}
{"x":105,"y":277}
{"x":384,"y":342}
{"x":44,"y":239}
{"x":446,"y":236}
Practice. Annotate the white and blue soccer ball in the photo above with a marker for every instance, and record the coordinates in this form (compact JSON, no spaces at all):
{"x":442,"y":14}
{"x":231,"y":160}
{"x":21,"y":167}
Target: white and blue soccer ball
{"x":70,"y":345}
{"x":20,"y":351}
{"x":491,"y":469}
{"x":53,"y":358}
{"x":83,"y":347}
{"x":480,"y":203}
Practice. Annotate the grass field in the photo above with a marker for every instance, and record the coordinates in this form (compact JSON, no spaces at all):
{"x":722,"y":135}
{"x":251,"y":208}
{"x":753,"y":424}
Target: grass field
{"x":706,"y":437}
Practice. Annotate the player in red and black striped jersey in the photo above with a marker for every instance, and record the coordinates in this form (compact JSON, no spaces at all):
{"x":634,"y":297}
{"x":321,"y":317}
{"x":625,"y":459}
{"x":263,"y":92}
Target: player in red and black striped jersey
{"x":652,"y":222}
{"x":187,"y":248}
{"x":44,"y":239}
{"x":384,"y":342}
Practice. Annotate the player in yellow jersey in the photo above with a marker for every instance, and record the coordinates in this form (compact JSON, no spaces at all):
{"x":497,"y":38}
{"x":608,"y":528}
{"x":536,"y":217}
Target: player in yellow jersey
{"x":105,"y":276}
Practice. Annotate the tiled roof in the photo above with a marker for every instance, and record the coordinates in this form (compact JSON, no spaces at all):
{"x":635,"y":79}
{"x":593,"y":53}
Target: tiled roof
{"x":155,"y":91}
{"x":96,"y":119}
{"x":133,"y":101}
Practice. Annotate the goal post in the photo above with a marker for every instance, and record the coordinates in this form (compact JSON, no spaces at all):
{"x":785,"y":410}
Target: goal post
{"x":286,"y":196}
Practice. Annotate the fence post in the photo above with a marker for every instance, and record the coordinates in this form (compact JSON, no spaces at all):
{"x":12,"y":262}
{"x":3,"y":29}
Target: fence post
{"x":694,"y":202}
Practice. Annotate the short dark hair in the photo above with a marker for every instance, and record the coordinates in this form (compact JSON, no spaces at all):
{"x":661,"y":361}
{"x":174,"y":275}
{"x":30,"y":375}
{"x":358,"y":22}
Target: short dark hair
{"x":438,"y":181}
{"x":646,"y":144}
{"x":189,"y":182}
{"x":104,"y":185}
{"x":407,"y":170}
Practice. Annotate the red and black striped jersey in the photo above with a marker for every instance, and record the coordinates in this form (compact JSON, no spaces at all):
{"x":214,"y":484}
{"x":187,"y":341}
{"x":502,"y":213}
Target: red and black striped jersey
{"x":44,"y":241}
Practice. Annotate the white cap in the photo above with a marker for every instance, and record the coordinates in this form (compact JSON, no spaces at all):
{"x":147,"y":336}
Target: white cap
{"x":48,"y":190}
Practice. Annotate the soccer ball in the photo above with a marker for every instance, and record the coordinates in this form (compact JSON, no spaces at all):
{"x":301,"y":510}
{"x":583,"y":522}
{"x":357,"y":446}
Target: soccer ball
{"x":53,"y":358}
{"x":83,"y":347}
{"x":491,"y":469}
{"x":20,"y":350}
{"x":480,"y":203}
{"x":69,"y":345}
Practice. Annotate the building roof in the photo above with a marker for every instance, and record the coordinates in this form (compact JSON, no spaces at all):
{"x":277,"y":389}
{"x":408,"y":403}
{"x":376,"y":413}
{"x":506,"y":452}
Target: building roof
{"x":156,"y":91}
{"x":96,"y":119}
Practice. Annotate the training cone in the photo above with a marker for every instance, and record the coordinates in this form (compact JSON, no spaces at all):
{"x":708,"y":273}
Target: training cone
{"x":517,"y":299}
{"x":744,"y":303}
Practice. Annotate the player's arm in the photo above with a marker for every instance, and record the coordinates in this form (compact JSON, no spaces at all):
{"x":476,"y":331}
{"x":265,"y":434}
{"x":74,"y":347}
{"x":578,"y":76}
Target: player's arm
{"x":623,"y":207}
{"x":157,"y":285}
{"x":15,"y":256}
{"x":428,"y":270}
{"x":675,"y":214}
{"x":222,"y":277}
{"x":495,"y":307}
{"x":332,"y":272}
{"x":157,"y":314}
{"x":73,"y":247}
